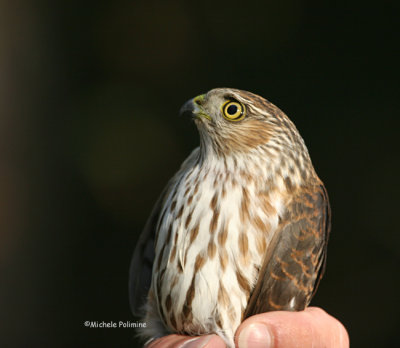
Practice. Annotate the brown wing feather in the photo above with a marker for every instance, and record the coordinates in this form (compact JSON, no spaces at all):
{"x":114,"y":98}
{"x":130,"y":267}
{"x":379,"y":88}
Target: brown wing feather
{"x":295,"y":259}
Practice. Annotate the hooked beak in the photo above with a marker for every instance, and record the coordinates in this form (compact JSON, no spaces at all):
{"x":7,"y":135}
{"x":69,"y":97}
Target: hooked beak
{"x":193,"y":108}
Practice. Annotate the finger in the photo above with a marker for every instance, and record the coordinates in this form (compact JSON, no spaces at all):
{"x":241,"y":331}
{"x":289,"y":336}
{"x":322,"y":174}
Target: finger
{"x":180,"y":341}
{"x":312,"y":327}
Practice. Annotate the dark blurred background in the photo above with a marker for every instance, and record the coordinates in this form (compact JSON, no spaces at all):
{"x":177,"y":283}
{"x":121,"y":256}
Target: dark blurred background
{"x":90,"y":133}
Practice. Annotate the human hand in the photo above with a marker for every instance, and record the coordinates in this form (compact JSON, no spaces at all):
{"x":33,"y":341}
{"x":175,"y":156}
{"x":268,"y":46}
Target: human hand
{"x":312,"y":327}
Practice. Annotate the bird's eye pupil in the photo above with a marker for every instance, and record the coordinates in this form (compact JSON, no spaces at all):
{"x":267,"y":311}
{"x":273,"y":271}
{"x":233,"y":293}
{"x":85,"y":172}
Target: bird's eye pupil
{"x":232,"y":109}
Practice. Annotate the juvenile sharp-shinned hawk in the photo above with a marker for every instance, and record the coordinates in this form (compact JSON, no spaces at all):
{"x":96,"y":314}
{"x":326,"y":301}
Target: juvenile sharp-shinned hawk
{"x":241,"y":229}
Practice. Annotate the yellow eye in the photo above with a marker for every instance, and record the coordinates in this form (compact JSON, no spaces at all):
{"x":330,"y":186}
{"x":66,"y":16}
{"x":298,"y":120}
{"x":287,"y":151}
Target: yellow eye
{"x":233,"y":111}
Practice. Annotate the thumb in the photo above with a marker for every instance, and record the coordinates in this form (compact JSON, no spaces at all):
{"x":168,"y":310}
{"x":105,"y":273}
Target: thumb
{"x":310,"y":328}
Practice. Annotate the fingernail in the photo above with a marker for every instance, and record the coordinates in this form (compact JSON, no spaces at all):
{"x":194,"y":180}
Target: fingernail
{"x":255,"y":335}
{"x":198,"y":342}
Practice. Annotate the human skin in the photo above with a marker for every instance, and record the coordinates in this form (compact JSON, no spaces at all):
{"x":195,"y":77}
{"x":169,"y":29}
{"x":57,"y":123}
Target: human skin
{"x":311,"y":328}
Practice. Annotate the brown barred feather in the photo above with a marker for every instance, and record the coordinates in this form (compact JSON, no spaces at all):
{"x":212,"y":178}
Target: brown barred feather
{"x":242,"y":228}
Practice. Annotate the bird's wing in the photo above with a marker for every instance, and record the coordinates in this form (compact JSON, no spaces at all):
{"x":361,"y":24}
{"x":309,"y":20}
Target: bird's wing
{"x":295,"y":259}
{"x":143,"y":256}
{"x":142,"y":260}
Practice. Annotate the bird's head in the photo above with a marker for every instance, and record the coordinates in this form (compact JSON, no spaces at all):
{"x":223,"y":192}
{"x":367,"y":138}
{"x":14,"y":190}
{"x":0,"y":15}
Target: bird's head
{"x":232,"y":121}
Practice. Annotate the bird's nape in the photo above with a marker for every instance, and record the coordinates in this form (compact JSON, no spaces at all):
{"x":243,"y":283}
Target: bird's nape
{"x":241,"y":228}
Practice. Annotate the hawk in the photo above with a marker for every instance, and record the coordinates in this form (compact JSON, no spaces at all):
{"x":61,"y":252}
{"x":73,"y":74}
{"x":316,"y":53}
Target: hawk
{"x":242,"y":228}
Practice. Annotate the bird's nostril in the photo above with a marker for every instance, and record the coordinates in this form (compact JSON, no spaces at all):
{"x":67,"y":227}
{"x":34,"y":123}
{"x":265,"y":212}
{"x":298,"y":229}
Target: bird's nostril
{"x":199,"y":100}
